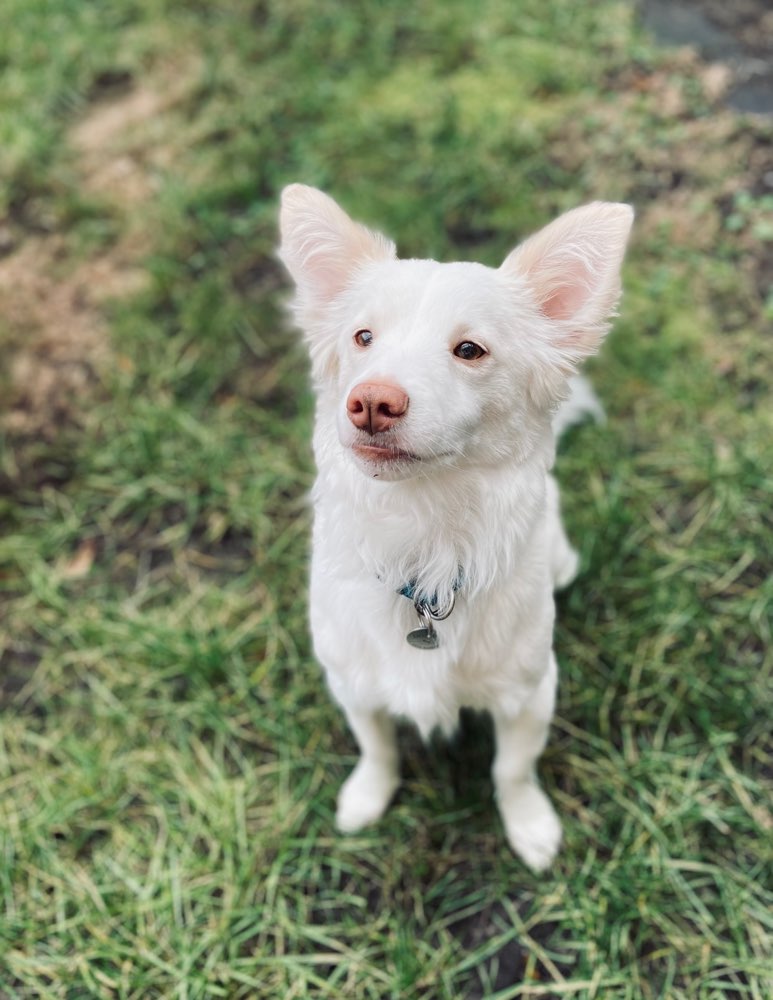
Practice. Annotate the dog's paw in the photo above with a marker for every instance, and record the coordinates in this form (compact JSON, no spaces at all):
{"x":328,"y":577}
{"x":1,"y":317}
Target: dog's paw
{"x":532,"y":827}
{"x":364,"y":796}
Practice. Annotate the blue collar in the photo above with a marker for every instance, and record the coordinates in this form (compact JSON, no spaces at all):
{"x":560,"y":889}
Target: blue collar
{"x":409,"y":591}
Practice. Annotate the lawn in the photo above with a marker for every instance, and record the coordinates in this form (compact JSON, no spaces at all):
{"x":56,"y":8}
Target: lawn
{"x":169,"y":757}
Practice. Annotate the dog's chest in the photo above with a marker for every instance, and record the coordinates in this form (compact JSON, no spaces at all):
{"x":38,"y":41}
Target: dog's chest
{"x":485,"y":649}
{"x":431,"y":534}
{"x":477,"y":540}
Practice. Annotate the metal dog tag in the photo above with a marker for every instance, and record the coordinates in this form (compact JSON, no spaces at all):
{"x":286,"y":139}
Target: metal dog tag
{"x":424,"y":638}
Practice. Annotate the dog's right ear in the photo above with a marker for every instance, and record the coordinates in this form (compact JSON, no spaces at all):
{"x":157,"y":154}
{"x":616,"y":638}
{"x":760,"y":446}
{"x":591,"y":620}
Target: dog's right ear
{"x":321,"y":246}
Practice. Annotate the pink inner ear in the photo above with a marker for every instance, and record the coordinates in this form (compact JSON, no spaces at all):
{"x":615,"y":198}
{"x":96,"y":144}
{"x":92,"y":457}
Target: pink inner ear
{"x":562,"y":303}
{"x":328,"y":275}
{"x":566,"y":299}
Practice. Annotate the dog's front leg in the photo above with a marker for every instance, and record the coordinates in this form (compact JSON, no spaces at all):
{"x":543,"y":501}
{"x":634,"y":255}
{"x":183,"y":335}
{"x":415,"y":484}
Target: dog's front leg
{"x":532,"y":827}
{"x":369,"y":788}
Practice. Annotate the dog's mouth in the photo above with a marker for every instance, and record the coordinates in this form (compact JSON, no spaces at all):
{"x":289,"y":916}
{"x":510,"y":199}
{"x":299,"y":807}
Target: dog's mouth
{"x":384,"y":454}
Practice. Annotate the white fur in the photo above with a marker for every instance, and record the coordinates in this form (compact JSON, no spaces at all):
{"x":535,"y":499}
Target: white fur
{"x":472,"y":509}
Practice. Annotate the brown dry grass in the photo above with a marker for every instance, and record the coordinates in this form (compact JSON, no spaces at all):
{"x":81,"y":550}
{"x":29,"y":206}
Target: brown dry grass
{"x":53,"y":299}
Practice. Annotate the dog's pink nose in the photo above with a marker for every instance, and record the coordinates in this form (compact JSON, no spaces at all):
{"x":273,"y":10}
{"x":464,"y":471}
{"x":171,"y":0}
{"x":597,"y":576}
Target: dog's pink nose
{"x":375,"y":406}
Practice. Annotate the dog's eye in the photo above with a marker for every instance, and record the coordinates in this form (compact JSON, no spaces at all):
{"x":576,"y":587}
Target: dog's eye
{"x":363,"y":338}
{"x":468,"y":351}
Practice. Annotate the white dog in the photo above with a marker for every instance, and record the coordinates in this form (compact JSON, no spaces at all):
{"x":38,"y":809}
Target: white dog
{"x":437,"y":534}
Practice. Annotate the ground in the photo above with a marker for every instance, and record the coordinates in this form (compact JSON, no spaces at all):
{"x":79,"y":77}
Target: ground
{"x":169,"y":758}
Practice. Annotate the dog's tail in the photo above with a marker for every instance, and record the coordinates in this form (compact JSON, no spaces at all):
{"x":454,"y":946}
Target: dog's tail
{"x":581,"y":402}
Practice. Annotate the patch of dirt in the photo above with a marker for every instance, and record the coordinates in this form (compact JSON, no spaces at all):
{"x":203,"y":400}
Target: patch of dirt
{"x":720,"y":189}
{"x":58,"y":325}
{"x":52,"y":300}
{"x":749,"y":21}
{"x":119,"y":147}
{"x":738,"y":35}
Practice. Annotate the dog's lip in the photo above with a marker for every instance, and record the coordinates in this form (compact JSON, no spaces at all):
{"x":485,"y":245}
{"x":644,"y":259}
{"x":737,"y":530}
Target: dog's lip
{"x":383,"y":453}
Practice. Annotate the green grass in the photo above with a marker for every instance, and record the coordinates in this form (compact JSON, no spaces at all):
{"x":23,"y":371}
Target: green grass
{"x":169,"y":757}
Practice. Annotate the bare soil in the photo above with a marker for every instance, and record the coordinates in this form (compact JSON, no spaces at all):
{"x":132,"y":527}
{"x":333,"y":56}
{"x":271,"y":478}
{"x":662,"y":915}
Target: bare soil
{"x":53,"y":298}
{"x":739,"y":35}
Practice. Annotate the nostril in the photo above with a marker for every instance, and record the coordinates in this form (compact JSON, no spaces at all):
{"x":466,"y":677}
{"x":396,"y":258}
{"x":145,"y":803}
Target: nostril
{"x":393,"y":402}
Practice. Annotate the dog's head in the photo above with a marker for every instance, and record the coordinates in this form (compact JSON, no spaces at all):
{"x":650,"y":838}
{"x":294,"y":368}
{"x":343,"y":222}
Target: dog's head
{"x":428,"y":365}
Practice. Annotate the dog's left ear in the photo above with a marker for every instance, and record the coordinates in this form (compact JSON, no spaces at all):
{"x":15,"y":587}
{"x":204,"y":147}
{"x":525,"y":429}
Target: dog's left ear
{"x":572,"y":268}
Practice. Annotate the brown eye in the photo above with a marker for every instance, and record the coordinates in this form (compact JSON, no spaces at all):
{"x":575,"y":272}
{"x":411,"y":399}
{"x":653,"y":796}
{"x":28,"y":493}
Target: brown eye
{"x":363,"y":338}
{"x":468,"y":351}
